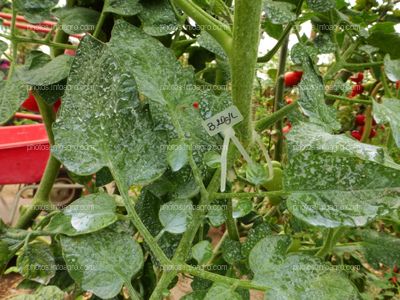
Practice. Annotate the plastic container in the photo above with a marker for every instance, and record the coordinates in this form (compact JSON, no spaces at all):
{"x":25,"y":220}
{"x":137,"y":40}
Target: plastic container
{"x":24,"y":151}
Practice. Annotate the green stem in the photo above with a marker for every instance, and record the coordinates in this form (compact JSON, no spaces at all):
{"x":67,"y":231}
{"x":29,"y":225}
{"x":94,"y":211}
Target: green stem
{"x":340,"y":63}
{"x":230,"y":222}
{"x":247,"y":195}
{"x":362,"y":66}
{"x":42,"y":195}
{"x":246,"y":34}
{"x":368,"y":124}
{"x":14,"y":45}
{"x":278,"y":101}
{"x":101,"y":20}
{"x":334,"y":234}
{"x":350,"y":100}
{"x":50,"y":174}
{"x":136,"y":221}
{"x":270,"y":120}
{"x":267,"y":57}
{"x":21,"y":39}
{"x":133,"y":294}
{"x":61,"y":37}
{"x":386,"y":87}
{"x":217,"y":29}
{"x":220,"y":278}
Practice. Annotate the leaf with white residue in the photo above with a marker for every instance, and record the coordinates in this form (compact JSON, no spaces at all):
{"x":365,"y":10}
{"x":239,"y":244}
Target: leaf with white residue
{"x":337,"y":181}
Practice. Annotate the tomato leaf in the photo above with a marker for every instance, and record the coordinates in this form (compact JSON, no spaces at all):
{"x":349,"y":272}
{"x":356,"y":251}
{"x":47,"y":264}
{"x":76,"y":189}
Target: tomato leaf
{"x":175,"y":215}
{"x":43,"y":292}
{"x":36,"y":262}
{"x":389,"y":112}
{"x":279,"y":12}
{"x":288,"y":276}
{"x":34,"y":11}
{"x":101,"y":107}
{"x":336,"y":181}
{"x":178,"y":155}
{"x":123,"y":7}
{"x":202,"y":252}
{"x":13,"y":92}
{"x":221,"y":291}
{"x":321,"y":5}
{"x":77,"y":19}
{"x":92,"y":212}
{"x":392,"y":68}
{"x":102,"y":262}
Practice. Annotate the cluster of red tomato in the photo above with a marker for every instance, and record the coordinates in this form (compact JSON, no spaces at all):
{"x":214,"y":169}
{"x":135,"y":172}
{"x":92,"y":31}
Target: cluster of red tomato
{"x":358,"y":88}
{"x":360,"y":123}
{"x":394,"y":279}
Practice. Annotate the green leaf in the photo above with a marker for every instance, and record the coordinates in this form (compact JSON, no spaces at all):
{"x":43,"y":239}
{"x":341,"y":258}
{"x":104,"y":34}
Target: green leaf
{"x":51,"y":93}
{"x":312,"y":90}
{"x":241,"y":207}
{"x":175,"y":215}
{"x":336,"y":181}
{"x":256,"y":233}
{"x":92,"y":213}
{"x":231,"y":251}
{"x":380,"y":248}
{"x":392,"y":68}
{"x":273,"y":30}
{"x":61,"y":224}
{"x":279,"y":12}
{"x":158,"y":17}
{"x":43,"y":292}
{"x":3,"y":47}
{"x":123,"y":7}
{"x":9,"y":244}
{"x":321,"y":5}
{"x":289,"y":276}
{"x":178,"y":154}
{"x":221,"y":291}
{"x":212,"y":159}
{"x":324,"y":44}
{"x":206,"y":41}
{"x":77,"y":19}
{"x":102,"y":262}
{"x":50,"y":73}
{"x":35,"y":11}
{"x":256,"y":173}
{"x":101,"y":107}
{"x":202,"y":252}
{"x":36,"y":262}
{"x":386,"y":42}
{"x":216,"y":215}
{"x":13,"y":92}
{"x":389,"y":112}
{"x":171,"y":92}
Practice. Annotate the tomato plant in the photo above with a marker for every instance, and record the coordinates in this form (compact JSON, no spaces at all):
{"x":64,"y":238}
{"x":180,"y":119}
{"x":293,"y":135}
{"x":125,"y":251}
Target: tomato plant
{"x":304,"y":201}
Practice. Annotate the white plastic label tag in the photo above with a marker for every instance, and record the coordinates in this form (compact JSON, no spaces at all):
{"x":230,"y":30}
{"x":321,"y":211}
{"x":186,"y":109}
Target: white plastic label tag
{"x":222,"y":120}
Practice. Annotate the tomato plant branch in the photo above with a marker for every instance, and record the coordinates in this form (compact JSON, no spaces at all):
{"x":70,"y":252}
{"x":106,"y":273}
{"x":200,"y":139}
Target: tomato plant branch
{"x":278,"y":101}
{"x":267,"y":57}
{"x":362,"y":66}
{"x":334,"y":234}
{"x":21,"y":39}
{"x":350,"y":100}
{"x":247,"y":195}
{"x":218,"y":30}
{"x":101,"y":20}
{"x":270,"y":120}
{"x":368,"y":124}
{"x":51,"y":172}
{"x":14,"y":44}
{"x":220,"y":278}
{"x":133,"y":294}
{"x":243,"y":60}
{"x":60,"y":37}
{"x":137,"y":222}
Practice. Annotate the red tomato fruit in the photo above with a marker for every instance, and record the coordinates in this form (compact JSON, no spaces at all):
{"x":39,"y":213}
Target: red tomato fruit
{"x":30,"y":103}
{"x":360,"y":120}
{"x":289,"y":100}
{"x":356,"y":134}
{"x":293,"y":78}
{"x":196,"y":105}
{"x":358,"y":79}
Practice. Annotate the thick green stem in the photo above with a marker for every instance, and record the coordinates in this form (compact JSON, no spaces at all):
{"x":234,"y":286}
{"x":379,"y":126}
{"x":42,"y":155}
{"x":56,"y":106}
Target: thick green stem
{"x":133,"y":294}
{"x":14,"y":45}
{"x":247,"y":195}
{"x":350,"y":100}
{"x":361,"y":66}
{"x":278,"y":101}
{"x":270,"y":120}
{"x":246,"y":34}
{"x":231,"y":222}
{"x":61,"y":37}
{"x":50,"y":174}
{"x":341,"y":62}
{"x":101,"y":20}
{"x":330,"y":241}
{"x":21,"y":39}
{"x":218,"y":30}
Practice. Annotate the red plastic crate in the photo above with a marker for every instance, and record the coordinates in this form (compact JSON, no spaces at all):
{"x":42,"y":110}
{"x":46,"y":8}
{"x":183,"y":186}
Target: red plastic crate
{"x":24,"y":151}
